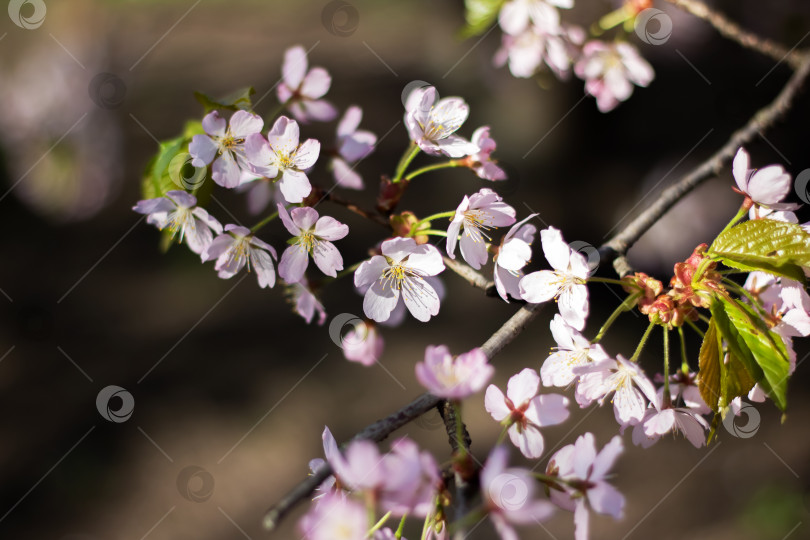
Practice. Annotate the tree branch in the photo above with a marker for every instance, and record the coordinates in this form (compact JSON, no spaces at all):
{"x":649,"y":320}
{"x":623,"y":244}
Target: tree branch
{"x":476,"y":279}
{"x":615,"y":249}
{"x":732,"y":31}
{"x":380,"y":429}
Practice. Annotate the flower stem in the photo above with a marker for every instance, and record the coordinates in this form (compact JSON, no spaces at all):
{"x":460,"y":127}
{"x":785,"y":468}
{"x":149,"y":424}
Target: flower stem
{"x":401,"y":528}
{"x":415,"y":226}
{"x":434,"y":167}
{"x":264,"y":222}
{"x":407,"y":157}
{"x":642,"y":342}
{"x":684,"y":361}
{"x":502,"y":436}
{"x":740,"y":213}
{"x":666,"y":402}
{"x":605,"y":280}
{"x":627,"y":305}
{"x":377,"y":526}
{"x":695,"y":328}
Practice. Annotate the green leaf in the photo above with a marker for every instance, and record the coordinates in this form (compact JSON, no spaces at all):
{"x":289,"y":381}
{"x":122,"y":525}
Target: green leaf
{"x":759,"y":350}
{"x":711,"y":359}
{"x":157,"y":181}
{"x":480,"y":15}
{"x":764,"y":244}
{"x":238,"y":100}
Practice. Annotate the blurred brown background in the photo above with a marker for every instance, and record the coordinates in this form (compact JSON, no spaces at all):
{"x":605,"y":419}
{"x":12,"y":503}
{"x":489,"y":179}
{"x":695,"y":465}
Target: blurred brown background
{"x":231,"y":389}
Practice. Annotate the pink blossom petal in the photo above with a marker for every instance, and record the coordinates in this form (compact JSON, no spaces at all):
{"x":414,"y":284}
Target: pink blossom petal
{"x":358,"y":146}
{"x":345,"y":176}
{"x":307,"y":154}
{"x":529,"y":440}
{"x":456,"y":147}
{"x":213,"y":124}
{"x":329,"y":228}
{"x":573,"y":305}
{"x":540,"y":286}
{"x":304,"y":218}
{"x":350,"y":121}
{"x":225,"y":171}
{"x":295,"y":66}
{"x":283,"y":136}
{"x":523,"y":386}
{"x":327,"y":258}
{"x":319,"y":110}
{"x":548,"y":410}
{"x":769,"y":185}
{"x":740,"y":169}
{"x":581,"y":517}
{"x":420,"y":298}
{"x":495,"y":404}
{"x":514,"y":254}
{"x":606,"y":499}
{"x":473,"y":249}
{"x":380,"y":301}
{"x":263,"y":266}
{"x":316,"y":83}
{"x":369,"y":271}
{"x":291,"y":227}
{"x":555,"y":249}
{"x":243,"y":123}
{"x":603,"y":462}
{"x":202,"y":149}
{"x":294,"y":186}
{"x":293,"y":264}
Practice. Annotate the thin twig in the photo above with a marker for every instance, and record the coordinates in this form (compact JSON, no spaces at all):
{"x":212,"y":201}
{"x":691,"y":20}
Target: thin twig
{"x":374,"y":216}
{"x":380,"y":429}
{"x":616,"y":247}
{"x":476,"y":279}
{"x":732,"y":31}
{"x":463,"y":466}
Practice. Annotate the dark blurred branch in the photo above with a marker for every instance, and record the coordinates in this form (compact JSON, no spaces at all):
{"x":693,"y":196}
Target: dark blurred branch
{"x":380,"y":429}
{"x":463,"y":466}
{"x":615,"y":249}
{"x":732,"y":31}
{"x":372,"y":215}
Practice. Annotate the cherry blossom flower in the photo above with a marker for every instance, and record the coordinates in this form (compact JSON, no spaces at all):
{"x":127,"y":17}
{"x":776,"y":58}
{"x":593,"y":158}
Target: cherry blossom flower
{"x":786,"y":300}
{"x":511,"y":256}
{"x":659,"y":420}
{"x":566,"y":283}
{"x":610,"y":70}
{"x":509,"y":495}
{"x":763,"y":188}
{"x":400,"y":271}
{"x":584,"y":473}
{"x":360,"y":467}
{"x":228,"y":143}
{"x":281,"y":155}
{"x":261,"y":191}
{"x":516,"y":16}
{"x":476,"y":215}
{"x":363,"y":344}
{"x":453,"y":378}
{"x":238,"y":247}
{"x":525,"y":412}
{"x":684,"y":386}
{"x":305,"y":303}
{"x":179,"y":212}
{"x":311,"y":237}
{"x":625,"y":380}
{"x":431,"y":126}
{"x":353,"y":145}
{"x":301,"y":90}
{"x":334,"y":516}
{"x":482,"y":163}
{"x":330,"y":450}
{"x":573,"y":351}
{"x":525,"y":52}
{"x":411,"y":479}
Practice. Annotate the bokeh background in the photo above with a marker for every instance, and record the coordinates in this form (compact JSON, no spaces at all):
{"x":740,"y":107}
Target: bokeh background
{"x":231,"y":389}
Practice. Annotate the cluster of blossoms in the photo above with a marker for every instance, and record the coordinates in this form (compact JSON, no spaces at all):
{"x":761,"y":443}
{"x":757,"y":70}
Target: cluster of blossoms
{"x":401,"y":276}
{"x":534,"y":34}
